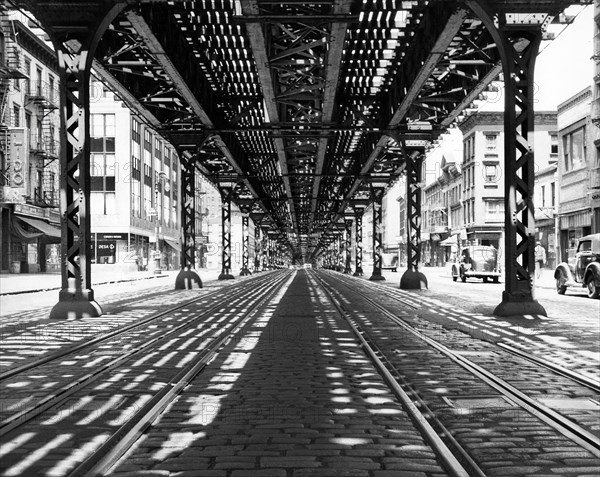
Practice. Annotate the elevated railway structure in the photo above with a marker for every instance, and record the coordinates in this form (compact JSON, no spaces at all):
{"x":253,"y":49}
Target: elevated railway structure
{"x":301,"y":112}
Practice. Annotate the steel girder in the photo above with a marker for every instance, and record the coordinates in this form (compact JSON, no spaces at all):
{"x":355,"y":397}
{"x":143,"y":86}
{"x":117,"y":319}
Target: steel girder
{"x":348,"y":246}
{"x":245,"y":246}
{"x":193,"y":68}
{"x":412,"y":278}
{"x":187,"y":276}
{"x":518,"y":38}
{"x":226,"y":195}
{"x":358,"y":218}
{"x":377,"y":194}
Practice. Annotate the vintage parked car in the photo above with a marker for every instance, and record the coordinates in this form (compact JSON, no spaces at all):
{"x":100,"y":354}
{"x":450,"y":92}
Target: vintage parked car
{"x":583,"y":269}
{"x":477,"y":261}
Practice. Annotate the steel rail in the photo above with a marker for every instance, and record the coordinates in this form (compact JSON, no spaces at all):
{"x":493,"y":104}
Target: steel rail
{"x":586,"y":381}
{"x":579,"y":378}
{"x":56,"y":397}
{"x":453,"y":466}
{"x":578,"y":434}
{"x":107,"y":455}
{"x":71,"y":349}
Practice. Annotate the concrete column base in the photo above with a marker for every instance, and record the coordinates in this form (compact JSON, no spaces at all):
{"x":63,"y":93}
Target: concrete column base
{"x":413,"y":280}
{"x":377,"y":276}
{"x":226,"y":276}
{"x":359,"y":272}
{"x":75,"y":306}
{"x":245,"y":272}
{"x":186,"y":278}
{"x":519,"y":305}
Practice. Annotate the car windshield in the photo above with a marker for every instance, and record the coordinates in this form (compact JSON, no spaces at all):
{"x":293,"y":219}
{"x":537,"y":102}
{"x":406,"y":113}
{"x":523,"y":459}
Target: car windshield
{"x":585,"y":246}
{"x":484,"y":254}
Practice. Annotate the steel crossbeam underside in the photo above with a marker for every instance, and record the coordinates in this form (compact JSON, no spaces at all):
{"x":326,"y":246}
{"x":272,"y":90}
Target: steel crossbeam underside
{"x":305,"y":111}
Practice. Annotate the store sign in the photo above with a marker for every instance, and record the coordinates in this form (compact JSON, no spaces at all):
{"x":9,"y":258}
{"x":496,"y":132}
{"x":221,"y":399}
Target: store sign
{"x":12,"y":195}
{"x":105,"y":248}
{"x":18,"y":165}
{"x":112,"y":236}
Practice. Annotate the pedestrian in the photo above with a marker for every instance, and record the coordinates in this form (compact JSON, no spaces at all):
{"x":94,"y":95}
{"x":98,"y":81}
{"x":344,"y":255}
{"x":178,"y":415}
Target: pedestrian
{"x":540,"y":258}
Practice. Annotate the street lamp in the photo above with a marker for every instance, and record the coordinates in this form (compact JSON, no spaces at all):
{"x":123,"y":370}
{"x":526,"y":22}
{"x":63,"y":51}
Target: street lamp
{"x":162,"y":176}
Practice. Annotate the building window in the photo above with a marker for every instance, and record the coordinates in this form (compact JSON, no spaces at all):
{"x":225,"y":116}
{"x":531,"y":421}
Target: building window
{"x":16,"y":115}
{"x":553,"y":194}
{"x":494,"y":211}
{"x":491,"y":173}
{"x":51,"y":87}
{"x":574,"y":149}
{"x":554,"y":144}
{"x":543,"y":189}
{"x":38,"y":82}
{"x":136,"y":169}
{"x":103,"y":168}
{"x":490,"y":142}
{"x":147,"y":151}
{"x":27,"y":73}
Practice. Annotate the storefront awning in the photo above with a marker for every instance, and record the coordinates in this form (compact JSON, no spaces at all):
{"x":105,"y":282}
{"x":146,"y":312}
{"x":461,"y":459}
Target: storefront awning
{"x":51,"y":232}
{"x":450,"y":241}
{"x":174,"y":245}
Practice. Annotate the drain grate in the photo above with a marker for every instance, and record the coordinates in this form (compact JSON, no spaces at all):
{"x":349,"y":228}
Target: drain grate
{"x":480,"y":402}
{"x":577,"y":404}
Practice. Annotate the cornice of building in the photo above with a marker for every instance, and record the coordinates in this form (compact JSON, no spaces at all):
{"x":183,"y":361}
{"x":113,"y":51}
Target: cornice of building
{"x":31,"y":43}
{"x":496,"y":118}
{"x":576,"y":99}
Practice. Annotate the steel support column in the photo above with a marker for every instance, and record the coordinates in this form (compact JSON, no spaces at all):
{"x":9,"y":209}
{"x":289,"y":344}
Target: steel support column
{"x":257,"y":219}
{"x":518,"y":39}
{"x":358,"y":214}
{"x":76,"y":297}
{"x":245,"y":246}
{"x":412,"y":278}
{"x":348,"y":247}
{"x":377,"y":194}
{"x":187,"y":276}
{"x":265,"y":250}
{"x":226,"y":234}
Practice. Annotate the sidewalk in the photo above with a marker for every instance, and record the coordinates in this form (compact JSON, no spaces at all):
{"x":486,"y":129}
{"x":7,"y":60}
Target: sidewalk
{"x":19,"y":283}
{"x":545,"y":281}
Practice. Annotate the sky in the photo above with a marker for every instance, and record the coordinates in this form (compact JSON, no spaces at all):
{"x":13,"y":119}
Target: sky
{"x":565,"y":66}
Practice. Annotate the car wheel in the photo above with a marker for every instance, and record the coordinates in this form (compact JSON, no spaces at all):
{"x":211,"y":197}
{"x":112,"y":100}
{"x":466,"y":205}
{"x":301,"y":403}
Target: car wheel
{"x":463,"y":277}
{"x":560,"y":283}
{"x":592,"y":290}
{"x":485,"y":279}
{"x":454,"y":274}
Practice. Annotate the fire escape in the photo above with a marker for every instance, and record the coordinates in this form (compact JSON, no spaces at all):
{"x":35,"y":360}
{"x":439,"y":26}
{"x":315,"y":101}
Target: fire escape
{"x":9,"y":71}
{"x":43,"y":97}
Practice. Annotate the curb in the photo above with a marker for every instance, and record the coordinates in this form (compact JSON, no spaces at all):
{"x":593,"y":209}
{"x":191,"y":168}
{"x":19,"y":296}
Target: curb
{"x":39,"y":290}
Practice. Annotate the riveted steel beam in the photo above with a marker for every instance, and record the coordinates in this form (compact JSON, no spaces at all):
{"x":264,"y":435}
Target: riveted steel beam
{"x":76,"y":297}
{"x":413,"y":278}
{"x":518,"y":40}
{"x":259,"y":49}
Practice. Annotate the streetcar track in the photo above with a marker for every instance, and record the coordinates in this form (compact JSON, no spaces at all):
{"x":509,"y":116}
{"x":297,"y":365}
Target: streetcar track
{"x":111,"y":334}
{"x":447,"y":455}
{"x":219,"y":332}
{"x":59,"y":395}
{"x":578,"y":434}
{"x":585,"y":381}
{"x":108,"y":454}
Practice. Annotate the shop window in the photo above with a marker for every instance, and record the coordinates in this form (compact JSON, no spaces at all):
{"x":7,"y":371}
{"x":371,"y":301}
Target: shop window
{"x":574,"y":149}
{"x":103,"y":164}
